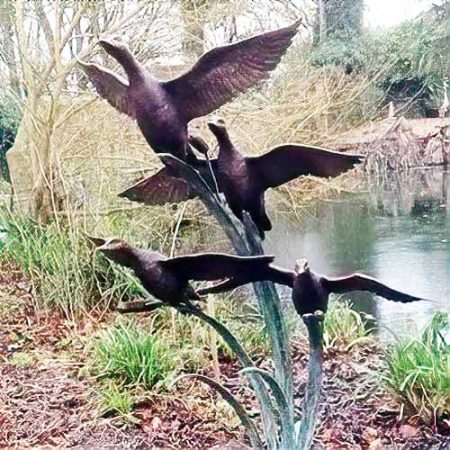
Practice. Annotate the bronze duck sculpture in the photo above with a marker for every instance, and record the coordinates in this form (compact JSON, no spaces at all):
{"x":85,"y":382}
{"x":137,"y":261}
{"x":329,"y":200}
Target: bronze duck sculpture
{"x":244,"y":179}
{"x":164,"y":108}
{"x":310,"y":291}
{"x":167,"y":279}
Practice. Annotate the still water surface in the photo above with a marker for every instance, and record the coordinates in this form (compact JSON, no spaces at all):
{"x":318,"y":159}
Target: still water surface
{"x":397,"y":230}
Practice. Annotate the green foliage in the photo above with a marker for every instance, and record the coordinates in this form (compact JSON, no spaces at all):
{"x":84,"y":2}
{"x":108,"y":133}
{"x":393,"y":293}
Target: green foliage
{"x":336,"y":33}
{"x":186,"y":336}
{"x":21,"y":359}
{"x":60,"y":263}
{"x":126,"y":353}
{"x":343,"y":326}
{"x":419,"y":370}
{"x":253,"y":337}
{"x":412,"y":58}
{"x":416,"y":49}
{"x":246,"y":324}
{"x":10,"y":116}
{"x":409,"y":61}
{"x":346,"y":53}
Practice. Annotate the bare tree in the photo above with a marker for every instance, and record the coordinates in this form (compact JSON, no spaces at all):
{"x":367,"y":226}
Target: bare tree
{"x":42,"y":41}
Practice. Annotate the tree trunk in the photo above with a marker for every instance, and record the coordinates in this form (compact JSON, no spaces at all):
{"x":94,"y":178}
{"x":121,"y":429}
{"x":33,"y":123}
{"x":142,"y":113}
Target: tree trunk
{"x":338,"y":19}
{"x":40,"y":206}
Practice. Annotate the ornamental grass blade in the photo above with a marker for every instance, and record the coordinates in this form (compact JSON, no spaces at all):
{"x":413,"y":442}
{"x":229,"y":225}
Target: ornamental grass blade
{"x":233,"y":402}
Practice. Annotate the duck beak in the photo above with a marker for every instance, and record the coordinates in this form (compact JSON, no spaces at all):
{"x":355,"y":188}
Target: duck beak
{"x":301,"y":265}
{"x":216,"y":125}
{"x":98,"y":242}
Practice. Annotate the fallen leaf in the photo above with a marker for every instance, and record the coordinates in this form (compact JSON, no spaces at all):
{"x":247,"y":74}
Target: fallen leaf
{"x":156,"y":423}
{"x":408,"y":431}
{"x":369,"y":434}
{"x":377,"y":444}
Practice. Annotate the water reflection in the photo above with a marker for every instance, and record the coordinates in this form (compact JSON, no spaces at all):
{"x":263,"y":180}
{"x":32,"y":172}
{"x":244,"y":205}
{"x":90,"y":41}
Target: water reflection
{"x":397,"y":230}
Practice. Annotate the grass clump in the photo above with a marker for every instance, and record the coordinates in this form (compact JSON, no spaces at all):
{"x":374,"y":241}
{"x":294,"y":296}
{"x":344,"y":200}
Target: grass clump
{"x":116,"y":400}
{"x":125,"y":353}
{"x":418,"y":372}
{"x":58,"y":260}
{"x":344,"y":327}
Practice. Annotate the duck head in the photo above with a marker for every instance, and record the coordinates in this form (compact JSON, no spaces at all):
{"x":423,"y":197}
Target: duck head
{"x":123,"y":55}
{"x":219,"y":129}
{"x":118,"y":251}
{"x":113,"y":48}
{"x":301,"y":267}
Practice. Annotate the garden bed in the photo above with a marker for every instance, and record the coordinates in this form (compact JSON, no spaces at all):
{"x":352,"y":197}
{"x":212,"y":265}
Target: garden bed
{"x":47,"y":399}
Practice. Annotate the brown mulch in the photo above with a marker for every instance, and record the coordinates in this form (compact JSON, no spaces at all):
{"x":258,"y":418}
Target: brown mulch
{"x":48,"y":403}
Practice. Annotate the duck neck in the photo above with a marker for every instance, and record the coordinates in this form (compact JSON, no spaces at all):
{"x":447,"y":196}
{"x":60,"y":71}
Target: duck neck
{"x":226,"y":147}
{"x":127,"y":257}
{"x":132,"y":67}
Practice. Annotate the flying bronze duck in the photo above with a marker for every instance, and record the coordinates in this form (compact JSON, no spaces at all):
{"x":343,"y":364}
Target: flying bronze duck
{"x":167,"y":279}
{"x":244,"y":179}
{"x":164,"y":108}
{"x":310,"y":291}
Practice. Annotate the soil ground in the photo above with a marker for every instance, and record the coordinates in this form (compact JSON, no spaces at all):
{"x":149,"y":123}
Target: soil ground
{"x":48,"y":401}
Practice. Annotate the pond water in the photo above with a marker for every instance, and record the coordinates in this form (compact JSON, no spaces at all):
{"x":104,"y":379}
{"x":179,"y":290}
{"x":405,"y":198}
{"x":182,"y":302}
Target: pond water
{"x":398,"y":230}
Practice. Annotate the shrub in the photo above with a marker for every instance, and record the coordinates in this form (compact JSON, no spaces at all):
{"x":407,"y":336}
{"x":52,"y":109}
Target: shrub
{"x":10,"y":116}
{"x":418,"y":372}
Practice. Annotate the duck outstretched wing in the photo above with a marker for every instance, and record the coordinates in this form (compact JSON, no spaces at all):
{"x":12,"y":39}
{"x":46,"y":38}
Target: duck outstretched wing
{"x":109,"y":86}
{"x":360,"y":282}
{"x":289,"y":161}
{"x":214,"y":266}
{"x":159,"y":189}
{"x":271,"y":273}
{"x":162,"y":187}
{"x":223,"y":72}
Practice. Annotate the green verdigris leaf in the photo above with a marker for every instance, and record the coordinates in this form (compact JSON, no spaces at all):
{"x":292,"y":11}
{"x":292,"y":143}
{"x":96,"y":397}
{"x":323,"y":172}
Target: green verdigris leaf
{"x":286,"y":415}
{"x":314,"y":325}
{"x":265,"y":292}
{"x":233,"y":402}
{"x":270,"y":305}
